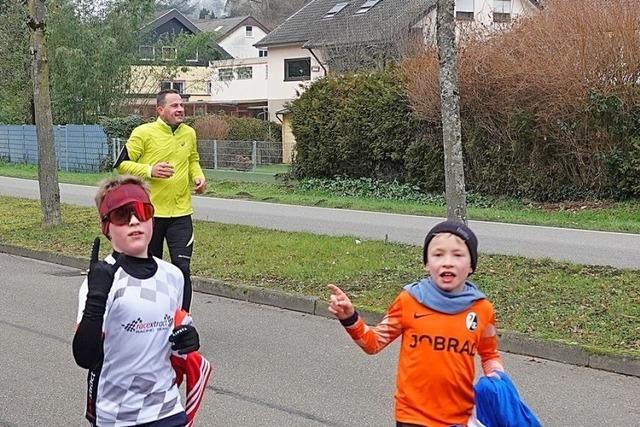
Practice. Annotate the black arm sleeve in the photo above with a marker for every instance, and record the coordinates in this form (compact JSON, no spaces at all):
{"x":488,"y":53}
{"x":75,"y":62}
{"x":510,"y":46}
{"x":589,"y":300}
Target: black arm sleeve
{"x":187,"y":293}
{"x":350,"y":321}
{"x":87,"y":343}
{"x":124,"y":155}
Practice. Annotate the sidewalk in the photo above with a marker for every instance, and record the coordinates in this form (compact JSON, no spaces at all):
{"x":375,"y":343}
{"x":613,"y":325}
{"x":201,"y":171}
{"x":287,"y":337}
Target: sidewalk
{"x":510,"y":342}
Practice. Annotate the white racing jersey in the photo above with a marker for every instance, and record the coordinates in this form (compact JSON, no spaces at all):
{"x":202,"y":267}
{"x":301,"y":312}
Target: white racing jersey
{"x":134,"y":383}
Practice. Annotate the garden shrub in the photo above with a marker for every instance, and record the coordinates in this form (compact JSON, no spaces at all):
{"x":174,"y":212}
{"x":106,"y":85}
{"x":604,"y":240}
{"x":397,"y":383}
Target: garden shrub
{"x":381,"y":190}
{"x":357,"y":125}
{"x":252,"y":129}
{"x":117,"y":127}
{"x":549,"y":111}
{"x":549,"y":106}
{"x":623,"y":167}
{"x":121,"y":127}
{"x":211,"y":127}
{"x":368,"y":188}
{"x":234,"y":136}
{"x":424,"y":161}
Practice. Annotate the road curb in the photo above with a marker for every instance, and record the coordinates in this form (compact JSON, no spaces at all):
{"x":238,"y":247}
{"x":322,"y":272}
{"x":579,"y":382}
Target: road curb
{"x":54,"y":258}
{"x":510,"y":342}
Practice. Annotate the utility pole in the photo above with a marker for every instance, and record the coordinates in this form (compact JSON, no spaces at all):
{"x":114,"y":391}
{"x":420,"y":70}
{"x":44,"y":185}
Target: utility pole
{"x":450,"y":106}
{"x":47,"y":164}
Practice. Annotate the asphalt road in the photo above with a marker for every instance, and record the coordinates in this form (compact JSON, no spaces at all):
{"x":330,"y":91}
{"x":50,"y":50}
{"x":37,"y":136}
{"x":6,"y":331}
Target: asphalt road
{"x":579,"y":246}
{"x":272,"y":367}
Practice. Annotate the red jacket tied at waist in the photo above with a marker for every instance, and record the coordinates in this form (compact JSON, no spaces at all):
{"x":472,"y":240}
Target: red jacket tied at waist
{"x":195,"y":368}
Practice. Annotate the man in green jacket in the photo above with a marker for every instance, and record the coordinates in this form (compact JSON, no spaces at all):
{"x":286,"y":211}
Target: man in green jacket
{"x":165,"y":153}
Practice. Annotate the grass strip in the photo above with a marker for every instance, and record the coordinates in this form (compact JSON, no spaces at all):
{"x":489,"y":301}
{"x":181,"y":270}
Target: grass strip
{"x":594,"y":307}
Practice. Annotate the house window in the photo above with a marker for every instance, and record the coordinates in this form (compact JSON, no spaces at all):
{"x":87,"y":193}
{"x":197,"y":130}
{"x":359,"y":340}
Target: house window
{"x":170,"y":84}
{"x":262,"y":53}
{"x":502,"y":11}
{"x":244,"y":73}
{"x":146,"y":53}
{"x":335,"y":10}
{"x":194,"y":57}
{"x":248,"y":30}
{"x":464,"y":16}
{"x":297,"y":69}
{"x":225,"y":74}
{"x":366,"y":6}
{"x":169,"y":53}
{"x":464,"y":10}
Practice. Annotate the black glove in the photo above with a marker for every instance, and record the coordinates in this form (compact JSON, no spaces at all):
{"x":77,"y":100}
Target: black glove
{"x":184,"y":339}
{"x":99,"y":281}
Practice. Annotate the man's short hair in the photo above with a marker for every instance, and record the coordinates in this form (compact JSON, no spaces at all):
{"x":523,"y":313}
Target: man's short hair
{"x":160,"y":97}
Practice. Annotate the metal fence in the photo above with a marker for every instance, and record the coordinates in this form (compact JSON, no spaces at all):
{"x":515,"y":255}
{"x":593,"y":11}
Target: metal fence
{"x":233,"y":155}
{"x":86,"y":148}
{"x":79,"y":148}
{"x":238,"y":155}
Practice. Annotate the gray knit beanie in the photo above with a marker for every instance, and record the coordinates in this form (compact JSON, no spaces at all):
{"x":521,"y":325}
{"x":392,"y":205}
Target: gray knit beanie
{"x":460,"y":230}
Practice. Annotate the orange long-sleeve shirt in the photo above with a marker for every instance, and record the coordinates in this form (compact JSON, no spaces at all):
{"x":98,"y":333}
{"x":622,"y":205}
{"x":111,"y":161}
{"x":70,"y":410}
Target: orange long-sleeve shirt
{"x":434,"y":384}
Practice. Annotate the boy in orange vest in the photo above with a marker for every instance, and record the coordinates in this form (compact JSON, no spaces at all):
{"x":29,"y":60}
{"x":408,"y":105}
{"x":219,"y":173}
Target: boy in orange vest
{"x":444,"y":321}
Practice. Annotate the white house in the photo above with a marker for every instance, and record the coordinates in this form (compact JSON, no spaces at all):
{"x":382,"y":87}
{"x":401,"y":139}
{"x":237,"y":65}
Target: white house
{"x":299,"y":47}
{"x":240,"y":85}
{"x":486,"y":15}
{"x":291,"y":69}
{"x":196,"y":79}
{"x":236,"y":35}
{"x":306,"y":45}
{"x":489,"y":12}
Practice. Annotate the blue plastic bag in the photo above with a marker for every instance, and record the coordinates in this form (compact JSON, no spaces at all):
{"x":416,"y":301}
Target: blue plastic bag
{"x":498,"y":404}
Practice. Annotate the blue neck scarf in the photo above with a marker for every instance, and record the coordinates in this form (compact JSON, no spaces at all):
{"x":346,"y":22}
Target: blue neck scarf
{"x":429,"y":295}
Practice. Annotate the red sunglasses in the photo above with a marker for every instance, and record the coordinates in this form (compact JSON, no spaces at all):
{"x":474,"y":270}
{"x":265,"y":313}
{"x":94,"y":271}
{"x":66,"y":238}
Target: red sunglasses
{"x":122,"y":215}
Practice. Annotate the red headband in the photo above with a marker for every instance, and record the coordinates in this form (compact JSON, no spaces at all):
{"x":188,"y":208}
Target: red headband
{"x":121,"y":196}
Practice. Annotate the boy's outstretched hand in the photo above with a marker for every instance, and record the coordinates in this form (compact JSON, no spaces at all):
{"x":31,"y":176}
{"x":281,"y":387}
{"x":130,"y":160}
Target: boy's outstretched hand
{"x":340,"y":304}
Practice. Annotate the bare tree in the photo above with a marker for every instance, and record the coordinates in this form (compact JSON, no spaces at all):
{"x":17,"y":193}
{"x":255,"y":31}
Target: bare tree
{"x":47,"y":164}
{"x":450,"y":100}
{"x":269,"y":12}
{"x":184,"y":6}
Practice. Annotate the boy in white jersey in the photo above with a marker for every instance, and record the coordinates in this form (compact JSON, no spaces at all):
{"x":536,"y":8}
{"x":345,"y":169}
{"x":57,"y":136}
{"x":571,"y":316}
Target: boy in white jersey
{"x":126,"y":311}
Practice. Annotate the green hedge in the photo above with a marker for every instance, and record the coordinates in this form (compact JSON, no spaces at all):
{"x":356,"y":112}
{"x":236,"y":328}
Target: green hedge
{"x":121,"y":127}
{"x":603,"y":163}
{"x":361,"y":126}
{"x":252,"y":129}
{"x":357,"y":125}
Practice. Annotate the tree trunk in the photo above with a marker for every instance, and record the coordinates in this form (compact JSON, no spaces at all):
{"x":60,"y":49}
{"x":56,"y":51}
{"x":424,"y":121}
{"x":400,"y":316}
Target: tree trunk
{"x":47,"y":164}
{"x":450,"y":101}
